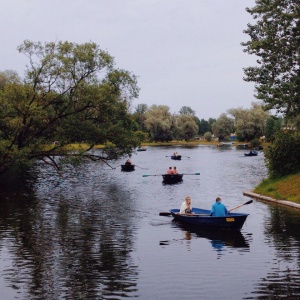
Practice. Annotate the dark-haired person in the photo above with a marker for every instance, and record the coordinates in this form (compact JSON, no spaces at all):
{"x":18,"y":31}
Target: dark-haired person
{"x":218,"y":209}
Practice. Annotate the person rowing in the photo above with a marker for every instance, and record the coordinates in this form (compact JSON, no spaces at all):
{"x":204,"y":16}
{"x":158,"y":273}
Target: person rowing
{"x":170,"y":171}
{"x":218,"y":209}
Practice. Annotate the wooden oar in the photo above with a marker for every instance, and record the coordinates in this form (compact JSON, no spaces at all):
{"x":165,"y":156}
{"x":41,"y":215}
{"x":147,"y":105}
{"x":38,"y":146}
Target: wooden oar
{"x":141,"y":167}
{"x":248,"y":202}
{"x":171,"y":174}
{"x":165,"y":214}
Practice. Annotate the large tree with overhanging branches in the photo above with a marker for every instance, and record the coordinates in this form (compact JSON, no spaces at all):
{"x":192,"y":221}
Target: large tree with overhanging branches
{"x":71,"y":93}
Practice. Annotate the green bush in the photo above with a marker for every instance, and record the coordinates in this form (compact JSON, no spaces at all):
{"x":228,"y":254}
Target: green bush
{"x":208,"y":136}
{"x":255,"y":143}
{"x":282,"y":156}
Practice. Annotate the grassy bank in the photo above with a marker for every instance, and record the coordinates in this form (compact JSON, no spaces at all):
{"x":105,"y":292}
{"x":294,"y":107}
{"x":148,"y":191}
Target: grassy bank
{"x":286,"y":188}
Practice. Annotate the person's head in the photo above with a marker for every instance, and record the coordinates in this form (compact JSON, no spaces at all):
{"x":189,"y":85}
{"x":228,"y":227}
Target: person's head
{"x":218,"y":199}
{"x":170,"y":168}
{"x":188,"y":200}
{"x":174,"y":168}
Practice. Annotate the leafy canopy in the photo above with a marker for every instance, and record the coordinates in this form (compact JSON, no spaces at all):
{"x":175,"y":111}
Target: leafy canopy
{"x":275,"y":40}
{"x":70,"y":93}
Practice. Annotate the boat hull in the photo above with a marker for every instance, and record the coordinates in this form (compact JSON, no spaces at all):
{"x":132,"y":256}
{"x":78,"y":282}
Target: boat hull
{"x":254,"y":153}
{"x":176,"y":157}
{"x":172,"y":178}
{"x":127,"y":168}
{"x":201,"y":218}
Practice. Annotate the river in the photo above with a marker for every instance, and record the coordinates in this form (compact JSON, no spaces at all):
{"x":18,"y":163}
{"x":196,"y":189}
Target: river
{"x":97,"y":233}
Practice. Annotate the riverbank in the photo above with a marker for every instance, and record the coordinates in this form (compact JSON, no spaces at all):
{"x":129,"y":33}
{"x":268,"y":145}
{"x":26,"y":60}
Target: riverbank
{"x":283,"y":191}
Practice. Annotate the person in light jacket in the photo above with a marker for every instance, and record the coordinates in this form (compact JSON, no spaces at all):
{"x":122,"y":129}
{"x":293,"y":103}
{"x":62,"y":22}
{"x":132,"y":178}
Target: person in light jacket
{"x":186,"y":206}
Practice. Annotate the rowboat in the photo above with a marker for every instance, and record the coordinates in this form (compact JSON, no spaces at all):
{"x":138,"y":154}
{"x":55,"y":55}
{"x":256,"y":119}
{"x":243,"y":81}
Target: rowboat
{"x":127,"y":168}
{"x":141,"y":149}
{"x":176,"y":157}
{"x":201,"y":218}
{"x":172,"y":178}
{"x":251,"y":153}
{"x":242,"y":146}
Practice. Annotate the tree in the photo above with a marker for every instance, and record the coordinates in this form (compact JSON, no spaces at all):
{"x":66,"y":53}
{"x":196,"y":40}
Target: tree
{"x":187,"y":126}
{"x":158,"y":122}
{"x":139,"y":115}
{"x":275,"y":39}
{"x":249,"y":123}
{"x":71,"y":93}
{"x":204,"y":126}
{"x":8,"y":76}
{"x":186,"y":110}
{"x":282,"y":156}
{"x":223,"y":127}
{"x":208,"y":136}
{"x":273,"y":125}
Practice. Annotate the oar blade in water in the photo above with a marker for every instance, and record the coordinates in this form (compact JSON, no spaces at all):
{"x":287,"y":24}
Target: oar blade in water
{"x":165,"y":214}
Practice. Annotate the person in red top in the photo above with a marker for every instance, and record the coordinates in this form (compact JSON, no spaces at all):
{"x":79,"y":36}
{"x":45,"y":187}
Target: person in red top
{"x":170,"y":171}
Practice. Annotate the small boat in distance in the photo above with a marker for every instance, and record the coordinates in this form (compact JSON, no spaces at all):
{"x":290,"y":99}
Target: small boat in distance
{"x":176,"y":157}
{"x":172,"y":178}
{"x":242,"y":146}
{"x":202,"y":218}
{"x":141,"y":149}
{"x":127,"y":168}
{"x":251,"y":153}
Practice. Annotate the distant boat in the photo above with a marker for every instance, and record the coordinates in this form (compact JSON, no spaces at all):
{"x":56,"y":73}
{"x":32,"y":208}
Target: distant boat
{"x":242,"y":146}
{"x":176,"y":157}
{"x":172,"y":178}
{"x":127,"y":168}
{"x":251,"y":153}
{"x":141,"y":149}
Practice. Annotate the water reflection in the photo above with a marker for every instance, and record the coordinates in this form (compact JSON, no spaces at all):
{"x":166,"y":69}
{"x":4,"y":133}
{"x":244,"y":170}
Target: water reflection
{"x":282,"y":233}
{"x":66,"y":248}
{"x":220,"y":240}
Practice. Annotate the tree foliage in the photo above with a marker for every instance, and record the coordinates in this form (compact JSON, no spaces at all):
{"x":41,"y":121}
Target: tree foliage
{"x":158,"y":121}
{"x":187,"y":110}
{"x":186,"y":126}
{"x":282,"y":156}
{"x":275,"y":39}
{"x":223,"y":127}
{"x":249,"y":123}
{"x":273,"y":125}
{"x":139,"y":115}
{"x":208,"y":136}
{"x":70,"y":93}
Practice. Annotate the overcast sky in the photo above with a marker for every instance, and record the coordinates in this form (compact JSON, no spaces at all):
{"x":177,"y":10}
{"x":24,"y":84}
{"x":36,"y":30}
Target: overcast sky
{"x":184,"y":52}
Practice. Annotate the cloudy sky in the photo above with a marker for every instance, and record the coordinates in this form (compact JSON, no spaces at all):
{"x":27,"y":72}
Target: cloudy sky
{"x":184,"y":52}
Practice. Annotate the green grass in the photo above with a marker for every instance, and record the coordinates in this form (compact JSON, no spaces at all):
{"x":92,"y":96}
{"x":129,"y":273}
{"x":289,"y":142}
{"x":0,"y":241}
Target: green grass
{"x":285,"y":188}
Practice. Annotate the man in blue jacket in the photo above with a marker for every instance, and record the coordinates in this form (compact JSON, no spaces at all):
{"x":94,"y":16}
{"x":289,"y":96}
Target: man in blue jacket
{"x":218,"y":209}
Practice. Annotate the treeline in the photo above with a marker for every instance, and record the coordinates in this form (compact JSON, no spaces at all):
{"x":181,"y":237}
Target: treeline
{"x":247,"y":125}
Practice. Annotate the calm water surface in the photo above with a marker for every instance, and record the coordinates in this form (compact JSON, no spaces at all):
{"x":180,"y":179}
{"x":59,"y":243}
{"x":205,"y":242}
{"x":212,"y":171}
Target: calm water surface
{"x":97,"y":233}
